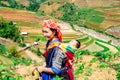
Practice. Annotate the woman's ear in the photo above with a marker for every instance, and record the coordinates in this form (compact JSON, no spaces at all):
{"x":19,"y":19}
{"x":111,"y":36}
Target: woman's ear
{"x":54,"y":33}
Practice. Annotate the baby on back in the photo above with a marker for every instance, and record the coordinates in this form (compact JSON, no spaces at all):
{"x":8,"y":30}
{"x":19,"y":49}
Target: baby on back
{"x":69,"y":49}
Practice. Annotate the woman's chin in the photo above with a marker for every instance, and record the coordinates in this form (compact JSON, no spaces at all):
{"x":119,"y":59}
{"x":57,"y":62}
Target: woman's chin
{"x":47,"y":39}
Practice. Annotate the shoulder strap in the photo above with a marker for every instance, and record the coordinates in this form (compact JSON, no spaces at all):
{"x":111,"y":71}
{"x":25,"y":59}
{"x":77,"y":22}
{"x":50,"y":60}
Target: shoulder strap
{"x":52,"y":54}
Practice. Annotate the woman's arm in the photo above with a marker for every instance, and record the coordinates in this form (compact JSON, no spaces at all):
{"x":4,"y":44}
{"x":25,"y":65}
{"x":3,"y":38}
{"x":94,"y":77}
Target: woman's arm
{"x":45,"y":69}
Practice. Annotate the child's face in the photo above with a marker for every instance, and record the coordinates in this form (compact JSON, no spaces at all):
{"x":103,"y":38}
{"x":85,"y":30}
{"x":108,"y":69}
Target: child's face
{"x":73,"y":43}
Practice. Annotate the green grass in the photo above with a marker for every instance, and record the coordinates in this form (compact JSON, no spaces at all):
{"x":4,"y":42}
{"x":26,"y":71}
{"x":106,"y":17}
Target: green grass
{"x":6,"y":8}
{"x":83,"y":39}
{"x":108,"y":7}
{"x":34,"y":36}
{"x":97,"y":19}
{"x":117,"y":47}
{"x":89,"y":42}
{"x":42,"y":38}
{"x":5,"y":60}
{"x":66,"y":41}
{"x":3,"y":49}
{"x":104,"y":47}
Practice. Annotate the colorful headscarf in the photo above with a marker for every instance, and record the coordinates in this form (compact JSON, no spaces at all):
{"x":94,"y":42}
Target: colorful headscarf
{"x":53,"y":25}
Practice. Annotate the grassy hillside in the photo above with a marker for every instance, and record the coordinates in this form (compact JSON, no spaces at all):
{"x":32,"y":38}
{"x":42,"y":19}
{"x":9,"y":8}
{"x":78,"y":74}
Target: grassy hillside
{"x":95,"y":60}
{"x":95,"y":15}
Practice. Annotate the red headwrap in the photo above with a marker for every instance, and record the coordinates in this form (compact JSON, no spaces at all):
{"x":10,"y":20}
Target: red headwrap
{"x":53,"y":25}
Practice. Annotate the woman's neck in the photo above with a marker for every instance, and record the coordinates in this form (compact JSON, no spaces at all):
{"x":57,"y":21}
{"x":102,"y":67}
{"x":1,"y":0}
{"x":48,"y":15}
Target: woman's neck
{"x":53,"y":39}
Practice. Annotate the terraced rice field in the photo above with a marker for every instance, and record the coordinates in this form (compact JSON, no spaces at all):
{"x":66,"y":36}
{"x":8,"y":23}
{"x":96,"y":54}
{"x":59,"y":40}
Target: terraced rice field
{"x":91,"y":71}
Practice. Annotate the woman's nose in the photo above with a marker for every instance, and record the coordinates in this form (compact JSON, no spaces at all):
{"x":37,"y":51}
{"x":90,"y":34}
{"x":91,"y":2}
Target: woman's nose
{"x":44,"y":34}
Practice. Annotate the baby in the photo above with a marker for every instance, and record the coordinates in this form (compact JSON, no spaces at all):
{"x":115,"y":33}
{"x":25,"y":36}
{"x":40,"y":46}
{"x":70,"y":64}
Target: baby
{"x":69,"y":50}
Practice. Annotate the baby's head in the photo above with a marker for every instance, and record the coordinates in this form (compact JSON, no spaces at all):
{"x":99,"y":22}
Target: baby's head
{"x":75,"y":43}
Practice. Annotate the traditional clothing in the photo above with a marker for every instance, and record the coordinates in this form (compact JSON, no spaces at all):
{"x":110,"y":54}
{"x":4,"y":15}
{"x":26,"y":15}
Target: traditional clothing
{"x":54,"y":57}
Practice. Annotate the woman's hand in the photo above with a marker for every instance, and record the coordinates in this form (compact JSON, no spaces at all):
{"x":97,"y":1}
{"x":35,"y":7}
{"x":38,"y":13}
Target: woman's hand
{"x":40,"y":69}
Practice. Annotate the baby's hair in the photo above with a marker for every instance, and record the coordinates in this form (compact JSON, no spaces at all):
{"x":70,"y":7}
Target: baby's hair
{"x":78,"y":44}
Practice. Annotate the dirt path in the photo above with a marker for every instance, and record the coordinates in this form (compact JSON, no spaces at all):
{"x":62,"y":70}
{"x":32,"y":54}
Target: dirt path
{"x":26,"y":72}
{"x":33,"y":56}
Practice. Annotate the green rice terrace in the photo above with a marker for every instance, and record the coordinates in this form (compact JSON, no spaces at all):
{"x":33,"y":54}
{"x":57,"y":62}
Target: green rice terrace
{"x":97,"y":27}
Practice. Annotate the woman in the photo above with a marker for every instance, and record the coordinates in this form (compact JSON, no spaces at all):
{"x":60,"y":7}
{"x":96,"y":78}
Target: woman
{"x":54,"y":56}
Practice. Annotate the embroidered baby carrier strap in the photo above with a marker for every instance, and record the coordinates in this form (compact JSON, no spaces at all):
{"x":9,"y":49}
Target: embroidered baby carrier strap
{"x":67,"y":47}
{"x":50,"y":45}
{"x":53,"y":45}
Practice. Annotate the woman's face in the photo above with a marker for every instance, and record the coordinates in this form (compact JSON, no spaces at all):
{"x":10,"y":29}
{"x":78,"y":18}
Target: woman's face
{"x":47,"y":33}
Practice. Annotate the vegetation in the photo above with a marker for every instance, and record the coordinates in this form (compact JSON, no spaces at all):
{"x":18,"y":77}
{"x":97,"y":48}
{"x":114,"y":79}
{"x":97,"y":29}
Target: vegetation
{"x":7,"y":74}
{"x":2,"y":4}
{"x":80,"y":69}
{"x":104,"y":47}
{"x":15,"y":4}
{"x":2,"y":49}
{"x":9,"y":30}
{"x":37,"y":51}
{"x":80,"y":16}
{"x":7,"y":70}
{"x":38,"y":38}
{"x":40,"y":13}
{"x":118,"y":73}
{"x":70,"y":11}
{"x":13,"y":51}
{"x":12,"y":4}
{"x":33,"y":4}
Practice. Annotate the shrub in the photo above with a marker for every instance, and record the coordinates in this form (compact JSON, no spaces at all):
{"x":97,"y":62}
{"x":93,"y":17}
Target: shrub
{"x":118,"y":73}
{"x":33,"y":5}
{"x":9,"y":30}
{"x":39,"y":53}
{"x":13,"y":51}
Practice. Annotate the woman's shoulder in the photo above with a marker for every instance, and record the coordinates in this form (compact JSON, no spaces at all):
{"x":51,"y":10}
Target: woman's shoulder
{"x":59,"y":51}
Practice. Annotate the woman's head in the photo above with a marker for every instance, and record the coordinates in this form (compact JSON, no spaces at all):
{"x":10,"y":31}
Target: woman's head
{"x":51,"y":30}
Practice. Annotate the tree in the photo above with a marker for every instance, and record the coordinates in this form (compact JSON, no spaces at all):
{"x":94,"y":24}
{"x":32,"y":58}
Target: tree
{"x":33,"y":5}
{"x":9,"y":30}
{"x":70,"y":12}
{"x":13,"y":3}
{"x":2,"y":4}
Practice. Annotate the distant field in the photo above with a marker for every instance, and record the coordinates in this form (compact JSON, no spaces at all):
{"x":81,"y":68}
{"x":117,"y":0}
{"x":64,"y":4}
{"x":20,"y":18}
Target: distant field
{"x":112,"y":18}
{"x":114,"y":31}
{"x":21,"y":17}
